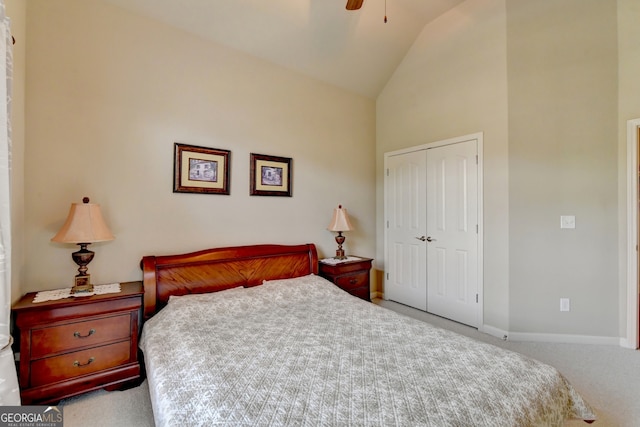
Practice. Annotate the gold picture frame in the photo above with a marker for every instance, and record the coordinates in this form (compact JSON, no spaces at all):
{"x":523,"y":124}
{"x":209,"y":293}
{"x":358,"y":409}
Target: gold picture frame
{"x":270,"y":175}
{"x":200,"y":169}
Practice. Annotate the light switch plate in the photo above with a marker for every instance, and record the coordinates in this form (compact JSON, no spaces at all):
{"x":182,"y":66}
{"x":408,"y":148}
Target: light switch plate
{"x":567,"y":221}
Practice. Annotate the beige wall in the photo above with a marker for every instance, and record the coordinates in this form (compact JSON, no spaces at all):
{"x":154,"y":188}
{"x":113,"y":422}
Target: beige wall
{"x":108,"y":93}
{"x":563,"y":141}
{"x":628,"y":109}
{"x":453,"y":83}
{"x":543,"y":81}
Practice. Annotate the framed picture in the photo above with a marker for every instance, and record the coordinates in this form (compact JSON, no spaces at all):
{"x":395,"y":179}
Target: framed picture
{"x":200,"y":169}
{"x":270,"y":175}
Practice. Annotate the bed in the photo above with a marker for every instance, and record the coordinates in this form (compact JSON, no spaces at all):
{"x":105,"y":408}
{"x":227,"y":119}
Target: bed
{"x":252,"y":336}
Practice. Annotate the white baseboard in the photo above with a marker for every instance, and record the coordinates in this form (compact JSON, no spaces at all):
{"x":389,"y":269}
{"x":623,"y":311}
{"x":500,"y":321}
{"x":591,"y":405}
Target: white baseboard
{"x":498,"y":333}
{"x":551,"y":338}
{"x":563,"y":338}
{"x":624,"y":343}
{"x":544,"y":337}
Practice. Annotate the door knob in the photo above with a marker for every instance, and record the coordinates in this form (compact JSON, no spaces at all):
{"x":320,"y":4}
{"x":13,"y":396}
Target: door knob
{"x":430,"y":239}
{"x":421,"y":238}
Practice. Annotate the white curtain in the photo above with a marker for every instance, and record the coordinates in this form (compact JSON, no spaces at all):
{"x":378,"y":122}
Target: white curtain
{"x":9,"y":391}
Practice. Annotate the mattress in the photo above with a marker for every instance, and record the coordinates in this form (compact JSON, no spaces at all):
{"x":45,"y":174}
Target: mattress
{"x":302,"y":352}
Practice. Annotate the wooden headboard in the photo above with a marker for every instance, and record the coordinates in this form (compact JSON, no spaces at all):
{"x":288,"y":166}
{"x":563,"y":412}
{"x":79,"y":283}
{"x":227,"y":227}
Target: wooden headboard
{"x":213,"y":270}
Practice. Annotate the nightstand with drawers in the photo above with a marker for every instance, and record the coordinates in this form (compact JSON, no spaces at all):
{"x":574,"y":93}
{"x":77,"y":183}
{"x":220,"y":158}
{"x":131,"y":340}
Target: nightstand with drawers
{"x":78,"y":344}
{"x":351,"y":275}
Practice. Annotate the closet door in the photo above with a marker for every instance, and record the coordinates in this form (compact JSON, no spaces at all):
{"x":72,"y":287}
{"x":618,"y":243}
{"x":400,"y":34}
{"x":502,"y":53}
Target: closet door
{"x":405,"y":228}
{"x":431,"y":230}
{"x":452,"y":232}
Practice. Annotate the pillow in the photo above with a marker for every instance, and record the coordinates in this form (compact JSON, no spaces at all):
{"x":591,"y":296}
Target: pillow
{"x":308,"y":280}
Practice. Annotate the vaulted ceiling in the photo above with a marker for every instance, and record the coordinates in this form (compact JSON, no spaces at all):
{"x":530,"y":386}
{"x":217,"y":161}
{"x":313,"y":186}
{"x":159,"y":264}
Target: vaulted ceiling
{"x":355,"y":50}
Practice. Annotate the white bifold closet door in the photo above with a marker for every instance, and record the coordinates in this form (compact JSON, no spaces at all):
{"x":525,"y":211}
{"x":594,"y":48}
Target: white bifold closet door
{"x":431,"y":220}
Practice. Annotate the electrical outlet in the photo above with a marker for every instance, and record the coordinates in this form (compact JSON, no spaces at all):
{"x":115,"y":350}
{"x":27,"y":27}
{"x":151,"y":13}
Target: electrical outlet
{"x":565,"y":304}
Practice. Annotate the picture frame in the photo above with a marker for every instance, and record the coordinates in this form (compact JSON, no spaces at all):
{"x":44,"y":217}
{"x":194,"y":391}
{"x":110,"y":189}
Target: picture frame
{"x":270,"y":175}
{"x":200,"y":169}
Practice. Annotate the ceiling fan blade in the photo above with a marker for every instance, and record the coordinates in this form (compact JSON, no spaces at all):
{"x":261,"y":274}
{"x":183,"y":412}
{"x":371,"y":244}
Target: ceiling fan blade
{"x":354,"y":4}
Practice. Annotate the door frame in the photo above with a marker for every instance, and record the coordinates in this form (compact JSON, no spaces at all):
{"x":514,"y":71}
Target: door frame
{"x":633,"y":139}
{"x":479,"y":137}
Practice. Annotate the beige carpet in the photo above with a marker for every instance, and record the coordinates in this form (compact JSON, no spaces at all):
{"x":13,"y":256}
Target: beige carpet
{"x":608,"y":378}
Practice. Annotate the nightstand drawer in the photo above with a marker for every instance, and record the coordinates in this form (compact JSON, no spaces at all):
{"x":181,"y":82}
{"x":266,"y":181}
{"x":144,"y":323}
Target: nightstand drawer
{"x":66,"y":366}
{"x":71,"y":336}
{"x":353,"y":281}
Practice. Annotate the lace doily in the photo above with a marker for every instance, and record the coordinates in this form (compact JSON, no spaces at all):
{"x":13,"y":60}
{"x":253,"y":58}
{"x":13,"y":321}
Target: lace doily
{"x":333,"y":261}
{"x":42,"y":296}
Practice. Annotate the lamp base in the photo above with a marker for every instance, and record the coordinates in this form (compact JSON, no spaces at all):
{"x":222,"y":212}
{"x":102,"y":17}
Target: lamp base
{"x":82,"y":257}
{"x":340,"y":252}
{"x":82,"y":284}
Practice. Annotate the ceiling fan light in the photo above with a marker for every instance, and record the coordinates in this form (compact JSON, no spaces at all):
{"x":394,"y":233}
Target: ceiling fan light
{"x":354,"y":4}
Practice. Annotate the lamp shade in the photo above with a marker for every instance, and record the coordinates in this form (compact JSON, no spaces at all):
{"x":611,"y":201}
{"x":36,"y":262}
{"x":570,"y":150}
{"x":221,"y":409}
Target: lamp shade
{"x":84,"y":224}
{"x":340,"y":220}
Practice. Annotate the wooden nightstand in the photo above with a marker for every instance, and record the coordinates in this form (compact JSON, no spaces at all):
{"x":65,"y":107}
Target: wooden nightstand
{"x":350,"y":275}
{"x":78,"y":344}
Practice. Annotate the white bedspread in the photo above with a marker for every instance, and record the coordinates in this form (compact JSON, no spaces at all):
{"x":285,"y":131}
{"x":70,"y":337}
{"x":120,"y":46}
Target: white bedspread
{"x":301,"y":352}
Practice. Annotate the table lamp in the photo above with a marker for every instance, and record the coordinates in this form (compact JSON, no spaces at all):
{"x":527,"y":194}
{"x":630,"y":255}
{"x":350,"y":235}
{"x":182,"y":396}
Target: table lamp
{"x":84,"y":225}
{"x":340,"y":222}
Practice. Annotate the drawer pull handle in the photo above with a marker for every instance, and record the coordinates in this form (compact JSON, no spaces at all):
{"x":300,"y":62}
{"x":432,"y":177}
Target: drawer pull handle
{"x":91,"y":332}
{"x":353,"y":281}
{"x":79,"y":365}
